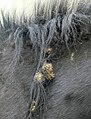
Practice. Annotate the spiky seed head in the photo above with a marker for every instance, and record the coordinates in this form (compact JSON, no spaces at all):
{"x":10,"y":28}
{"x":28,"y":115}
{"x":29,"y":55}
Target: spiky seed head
{"x":47,"y":70}
{"x":38,"y":76}
{"x":49,"y":50}
{"x":33,"y":106}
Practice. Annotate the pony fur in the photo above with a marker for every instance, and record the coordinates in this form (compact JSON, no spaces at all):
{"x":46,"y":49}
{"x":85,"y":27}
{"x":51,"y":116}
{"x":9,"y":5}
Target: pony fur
{"x":61,"y":25}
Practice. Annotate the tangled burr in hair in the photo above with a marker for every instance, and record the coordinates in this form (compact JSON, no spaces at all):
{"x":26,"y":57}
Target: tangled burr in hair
{"x":44,"y":75}
{"x":47,"y":70}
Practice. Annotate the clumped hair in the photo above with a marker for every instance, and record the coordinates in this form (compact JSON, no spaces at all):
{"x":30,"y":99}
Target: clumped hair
{"x":61,"y":24}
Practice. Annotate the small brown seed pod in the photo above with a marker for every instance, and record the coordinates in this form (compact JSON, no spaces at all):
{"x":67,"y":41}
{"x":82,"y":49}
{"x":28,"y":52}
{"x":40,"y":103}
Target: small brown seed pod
{"x":49,"y":50}
{"x":47,"y":70}
{"x":38,"y":76}
{"x":33,"y":106}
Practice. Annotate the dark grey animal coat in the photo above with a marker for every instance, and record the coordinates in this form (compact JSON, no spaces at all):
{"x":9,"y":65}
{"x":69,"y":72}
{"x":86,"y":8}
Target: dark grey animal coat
{"x":68,"y":96}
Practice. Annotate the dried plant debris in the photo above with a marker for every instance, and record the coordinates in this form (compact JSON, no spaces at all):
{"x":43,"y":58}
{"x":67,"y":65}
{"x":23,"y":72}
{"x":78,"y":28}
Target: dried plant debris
{"x":33,"y":106}
{"x":48,"y":51}
{"x":47,"y":70}
{"x":38,"y":95}
{"x":39,"y":77}
{"x":37,"y":99}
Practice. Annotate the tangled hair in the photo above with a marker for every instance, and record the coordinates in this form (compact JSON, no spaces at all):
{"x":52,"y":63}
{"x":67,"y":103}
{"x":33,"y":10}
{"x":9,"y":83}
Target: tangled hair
{"x":52,"y":28}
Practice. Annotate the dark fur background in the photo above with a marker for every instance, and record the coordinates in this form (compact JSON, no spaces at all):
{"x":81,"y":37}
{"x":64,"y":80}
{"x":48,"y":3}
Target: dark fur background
{"x":68,"y":96}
